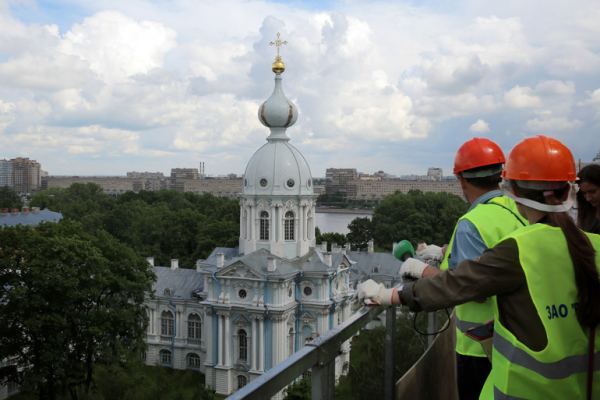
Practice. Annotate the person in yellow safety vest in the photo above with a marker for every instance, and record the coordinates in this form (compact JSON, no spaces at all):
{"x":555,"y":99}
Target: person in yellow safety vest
{"x":478,"y":165}
{"x":543,"y":279}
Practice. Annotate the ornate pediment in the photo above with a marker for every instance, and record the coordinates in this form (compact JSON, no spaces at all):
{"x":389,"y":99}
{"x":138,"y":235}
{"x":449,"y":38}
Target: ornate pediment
{"x":241,"y":321}
{"x":306,"y":318}
{"x":240,"y":270}
{"x":290,"y":205}
{"x":263,"y":205}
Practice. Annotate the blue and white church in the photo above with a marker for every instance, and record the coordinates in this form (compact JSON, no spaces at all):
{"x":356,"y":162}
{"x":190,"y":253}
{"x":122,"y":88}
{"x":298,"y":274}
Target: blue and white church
{"x":246,"y":309}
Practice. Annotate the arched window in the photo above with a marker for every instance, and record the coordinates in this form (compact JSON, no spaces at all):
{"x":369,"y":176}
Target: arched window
{"x":165,"y":357}
{"x":194,"y":329}
{"x":242,"y":381}
{"x":264,"y":225}
{"x":289,"y":225}
{"x":243,"y":345}
{"x":193,"y":361}
{"x":167,"y":323}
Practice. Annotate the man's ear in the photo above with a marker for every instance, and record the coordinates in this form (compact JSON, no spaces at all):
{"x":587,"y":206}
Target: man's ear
{"x":462,"y":180}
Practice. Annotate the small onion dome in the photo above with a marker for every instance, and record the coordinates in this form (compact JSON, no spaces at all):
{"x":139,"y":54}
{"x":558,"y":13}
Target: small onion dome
{"x":277,"y":111}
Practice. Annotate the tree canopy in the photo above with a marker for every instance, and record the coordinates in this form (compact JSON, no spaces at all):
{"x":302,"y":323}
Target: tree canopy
{"x":165,"y":224}
{"x":69,"y":301}
{"x":9,"y":198}
{"x":416,"y":217}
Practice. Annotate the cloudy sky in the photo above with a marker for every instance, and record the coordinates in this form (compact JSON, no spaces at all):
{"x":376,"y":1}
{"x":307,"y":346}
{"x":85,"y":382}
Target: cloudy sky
{"x":109,"y":86}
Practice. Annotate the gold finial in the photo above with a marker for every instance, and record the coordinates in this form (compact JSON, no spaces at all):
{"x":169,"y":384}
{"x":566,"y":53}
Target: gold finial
{"x":278,"y":66}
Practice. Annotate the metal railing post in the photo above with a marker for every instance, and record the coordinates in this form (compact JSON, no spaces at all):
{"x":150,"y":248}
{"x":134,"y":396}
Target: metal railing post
{"x":390,"y":383}
{"x":323,"y":381}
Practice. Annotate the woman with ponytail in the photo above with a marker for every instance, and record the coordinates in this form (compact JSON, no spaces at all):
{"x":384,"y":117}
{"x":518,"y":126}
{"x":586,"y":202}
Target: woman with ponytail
{"x":543,"y":280}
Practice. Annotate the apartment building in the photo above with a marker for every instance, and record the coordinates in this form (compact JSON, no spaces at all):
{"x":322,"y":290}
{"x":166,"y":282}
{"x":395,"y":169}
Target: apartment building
{"x":336,"y":181}
{"x":110,"y":185}
{"x":377,"y":190}
{"x":230,"y":188}
{"x":26,"y":175}
{"x":6,"y":173}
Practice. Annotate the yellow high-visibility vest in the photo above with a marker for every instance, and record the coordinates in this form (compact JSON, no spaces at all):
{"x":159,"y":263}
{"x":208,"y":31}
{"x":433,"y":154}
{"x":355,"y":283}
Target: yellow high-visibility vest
{"x":559,"y":371}
{"x":493,"y":219}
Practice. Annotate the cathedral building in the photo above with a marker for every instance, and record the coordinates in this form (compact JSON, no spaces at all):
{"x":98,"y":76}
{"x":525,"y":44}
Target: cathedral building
{"x":246,"y":309}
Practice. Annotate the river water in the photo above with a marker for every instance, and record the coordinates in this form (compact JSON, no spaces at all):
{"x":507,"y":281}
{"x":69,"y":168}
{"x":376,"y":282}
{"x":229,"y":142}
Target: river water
{"x":329,"y":222}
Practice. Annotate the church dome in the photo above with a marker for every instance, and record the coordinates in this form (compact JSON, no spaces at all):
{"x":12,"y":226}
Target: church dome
{"x":277,"y":168}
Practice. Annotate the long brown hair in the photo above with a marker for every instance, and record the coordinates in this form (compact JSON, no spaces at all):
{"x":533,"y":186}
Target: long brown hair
{"x":583,"y":254}
{"x":585,"y":211}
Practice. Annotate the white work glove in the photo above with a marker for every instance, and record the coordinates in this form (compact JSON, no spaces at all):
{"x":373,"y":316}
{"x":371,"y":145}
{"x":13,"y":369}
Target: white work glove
{"x":370,"y":292}
{"x":412,"y":268}
{"x":429,"y":251}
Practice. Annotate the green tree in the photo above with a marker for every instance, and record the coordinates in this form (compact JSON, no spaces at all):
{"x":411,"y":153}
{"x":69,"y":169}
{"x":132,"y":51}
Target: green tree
{"x":165,"y":224}
{"x":9,"y":198}
{"x":71,"y":302}
{"x":130,"y":379}
{"x":330,"y":237}
{"x":298,"y":391}
{"x":416,"y":217}
{"x":361,"y":231}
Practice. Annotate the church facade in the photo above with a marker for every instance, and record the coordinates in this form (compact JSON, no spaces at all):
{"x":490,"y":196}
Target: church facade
{"x":246,"y":309}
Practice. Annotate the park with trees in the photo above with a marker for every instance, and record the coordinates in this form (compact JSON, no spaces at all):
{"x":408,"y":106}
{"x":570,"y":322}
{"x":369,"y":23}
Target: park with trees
{"x":71,"y":310}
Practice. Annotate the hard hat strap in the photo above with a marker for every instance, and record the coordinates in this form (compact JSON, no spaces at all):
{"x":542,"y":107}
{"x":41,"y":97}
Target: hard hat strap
{"x":566,"y":206}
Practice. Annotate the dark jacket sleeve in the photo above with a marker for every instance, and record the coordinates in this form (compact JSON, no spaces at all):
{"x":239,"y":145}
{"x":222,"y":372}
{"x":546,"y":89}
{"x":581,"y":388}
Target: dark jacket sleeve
{"x":498,"y":271}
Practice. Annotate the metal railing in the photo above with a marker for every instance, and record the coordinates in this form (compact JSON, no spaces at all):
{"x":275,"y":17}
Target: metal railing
{"x":319,"y":355}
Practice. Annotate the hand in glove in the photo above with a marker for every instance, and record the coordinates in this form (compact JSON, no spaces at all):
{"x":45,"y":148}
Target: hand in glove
{"x":431,"y":250}
{"x":412,"y":268}
{"x":370,"y":292}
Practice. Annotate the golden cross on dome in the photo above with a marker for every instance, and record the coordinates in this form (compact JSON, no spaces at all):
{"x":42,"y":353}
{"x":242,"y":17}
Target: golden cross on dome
{"x":278,"y":43}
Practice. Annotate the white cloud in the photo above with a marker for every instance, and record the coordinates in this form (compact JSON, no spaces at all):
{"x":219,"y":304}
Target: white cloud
{"x":480,"y":126}
{"x":178,"y":87}
{"x":553,"y":87}
{"x":553,"y":125}
{"x":594,"y":98}
{"x":522,"y":97}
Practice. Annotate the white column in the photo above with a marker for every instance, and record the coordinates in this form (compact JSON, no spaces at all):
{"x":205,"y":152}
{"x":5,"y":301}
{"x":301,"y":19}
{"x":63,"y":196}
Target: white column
{"x":220,"y":339}
{"x":252,"y":223}
{"x":306,"y":223}
{"x":227,"y":340}
{"x":261,"y":356}
{"x":280,"y":217}
{"x":152,"y":321}
{"x":156,"y":323}
{"x":299,"y":223}
{"x":254,"y":345}
{"x":248,"y":225}
{"x":272,"y":221}
{"x":242,"y":231}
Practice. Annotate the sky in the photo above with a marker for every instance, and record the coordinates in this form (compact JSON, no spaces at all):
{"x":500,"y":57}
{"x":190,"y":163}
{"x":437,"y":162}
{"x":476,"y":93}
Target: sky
{"x":111,"y":86}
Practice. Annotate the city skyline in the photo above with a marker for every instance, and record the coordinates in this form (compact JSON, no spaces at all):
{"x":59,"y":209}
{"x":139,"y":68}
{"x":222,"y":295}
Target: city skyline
{"x":108,"y":87}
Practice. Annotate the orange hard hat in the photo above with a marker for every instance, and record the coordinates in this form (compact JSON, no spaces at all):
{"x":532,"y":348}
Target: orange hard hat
{"x":477,"y":152}
{"x":540,"y":158}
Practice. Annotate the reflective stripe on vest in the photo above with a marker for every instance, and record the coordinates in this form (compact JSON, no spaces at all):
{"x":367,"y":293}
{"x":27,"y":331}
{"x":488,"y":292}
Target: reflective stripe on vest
{"x":560,"y":369}
{"x":493,"y":219}
{"x":464,"y":326}
{"x":498,"y":395}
